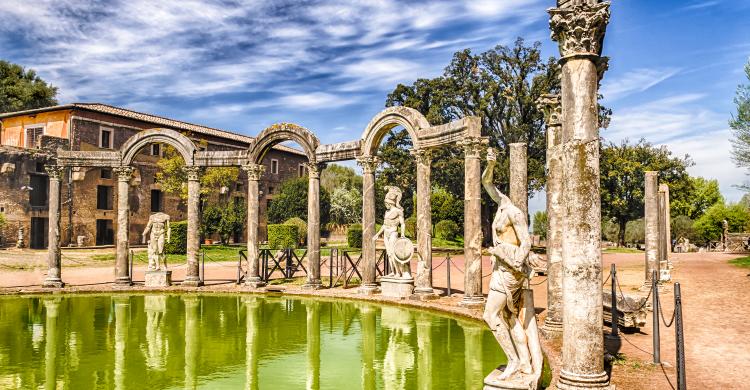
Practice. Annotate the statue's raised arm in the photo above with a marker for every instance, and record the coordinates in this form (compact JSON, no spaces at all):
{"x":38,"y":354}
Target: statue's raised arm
{"x":488,"y":175}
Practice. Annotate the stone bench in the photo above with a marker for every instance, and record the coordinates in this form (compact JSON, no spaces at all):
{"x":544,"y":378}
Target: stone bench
{"x":628,"y":313}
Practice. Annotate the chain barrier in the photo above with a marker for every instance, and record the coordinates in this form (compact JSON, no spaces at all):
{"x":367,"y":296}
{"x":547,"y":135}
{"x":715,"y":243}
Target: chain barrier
{"x":439,"y":265}
{"x":661,"y":314}
{"x":622,"y":295}
{"x":606,"y":280}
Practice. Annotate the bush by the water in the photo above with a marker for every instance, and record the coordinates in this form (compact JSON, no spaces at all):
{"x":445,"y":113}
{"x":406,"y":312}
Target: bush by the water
{"x":354,"y":236}
{"x":282,"y":236}
{"x":447,"y":230}
{"x":301,"y":228}
{"x":177,"y":244}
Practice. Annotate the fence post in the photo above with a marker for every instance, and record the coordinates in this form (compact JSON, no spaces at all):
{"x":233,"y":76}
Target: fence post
{"x":679,"y":338}
{"x":655,"y":291}
{"x":615,"y":319}
{"x":448,"y":276}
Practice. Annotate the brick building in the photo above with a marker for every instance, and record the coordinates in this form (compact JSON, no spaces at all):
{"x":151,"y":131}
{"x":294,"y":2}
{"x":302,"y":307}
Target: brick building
{"x":29,"y":139}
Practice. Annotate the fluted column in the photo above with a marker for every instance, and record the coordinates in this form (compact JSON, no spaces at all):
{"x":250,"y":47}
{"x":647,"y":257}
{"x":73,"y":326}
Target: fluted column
{"x":122,"y":270}
{"x":313,"y":226}
{"x":579,"y":28}
{"x":423,"y":280}
{"x":192,"y":276}
{"x":519,"y":177}
{"x":550,"y":105}
{"x":651,"y":224}
{"x":54,"y":279}
{"x":473,"y":147}
{"x":254,"y":173}
{"x":367,"y":266}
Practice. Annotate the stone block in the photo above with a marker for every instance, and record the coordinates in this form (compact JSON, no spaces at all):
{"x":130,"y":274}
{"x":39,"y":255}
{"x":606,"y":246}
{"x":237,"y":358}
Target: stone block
{"x":396,"y":287}
{"x":158,"y":278}
{"x":515,"y":382}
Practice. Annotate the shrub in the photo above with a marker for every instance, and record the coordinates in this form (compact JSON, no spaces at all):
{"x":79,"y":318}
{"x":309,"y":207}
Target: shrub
{"x":354,"y":236}
{"x":447,"y":230}
{"x":282,"y":236}
{"x":292,"y":202}
{"x":301,"y":228}
{"x":177,"y":244}
{"x":411,"y":227}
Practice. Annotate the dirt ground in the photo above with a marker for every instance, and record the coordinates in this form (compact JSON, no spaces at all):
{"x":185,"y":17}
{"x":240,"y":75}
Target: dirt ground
{"x":713,"y":295}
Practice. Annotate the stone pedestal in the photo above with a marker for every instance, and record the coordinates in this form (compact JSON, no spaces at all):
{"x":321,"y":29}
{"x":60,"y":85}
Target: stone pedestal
{"x":158,"y":278}
{"x":396,"y":287}
{"x":515,"y":382}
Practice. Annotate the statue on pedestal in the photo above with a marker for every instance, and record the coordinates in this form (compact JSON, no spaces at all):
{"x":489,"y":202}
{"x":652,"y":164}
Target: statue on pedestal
{"x":509,"y":310}
{"x":398,"y":248}
{"x":160,"y":231}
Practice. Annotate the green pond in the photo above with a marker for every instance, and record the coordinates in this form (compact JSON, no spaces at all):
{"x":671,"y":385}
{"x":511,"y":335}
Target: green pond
{"x":234,"y":342}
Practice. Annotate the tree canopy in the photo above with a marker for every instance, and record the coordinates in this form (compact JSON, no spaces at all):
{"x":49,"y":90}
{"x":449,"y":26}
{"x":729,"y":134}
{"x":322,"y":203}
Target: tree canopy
{"x":740,"y":124}
{"x":22,"y":89}
{"x":173,"y":178}
{"x":292,"y":202}
{"x":622,"y":168}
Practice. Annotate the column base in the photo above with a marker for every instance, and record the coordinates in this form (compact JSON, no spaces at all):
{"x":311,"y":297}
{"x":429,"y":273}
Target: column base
{"x":53,"y":283}
{"x":190,"y":282}
{"x":368,"y":289}
{"x":424,"y":294}
{"x":312,"y":285}
{"x":551,"y":328}
{"x":572,"y":381}
{"x":472,"y":302}
{"x":123,"y":281}
{"x":254,"y":282}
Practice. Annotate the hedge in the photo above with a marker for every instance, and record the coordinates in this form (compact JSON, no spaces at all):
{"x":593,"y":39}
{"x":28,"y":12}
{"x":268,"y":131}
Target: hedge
{"x":447,"y":230}
{"x":411,"y":227}
{"x":282,"y":236}
{"x":354,"y":236}
{"x":177,"y":244}
{"x":301,"y":228}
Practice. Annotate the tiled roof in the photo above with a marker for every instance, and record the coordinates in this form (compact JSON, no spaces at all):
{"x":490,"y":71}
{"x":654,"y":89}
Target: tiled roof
{"x":155,"y":119}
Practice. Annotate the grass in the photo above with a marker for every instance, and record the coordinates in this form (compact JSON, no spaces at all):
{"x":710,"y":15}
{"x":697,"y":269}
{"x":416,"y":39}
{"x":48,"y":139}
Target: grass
{"x":622,"y":250}
{"x":741,"y":262}
{"x":448,"y":244}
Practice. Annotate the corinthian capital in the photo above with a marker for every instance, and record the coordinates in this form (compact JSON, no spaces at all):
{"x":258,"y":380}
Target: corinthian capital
{"x":579,"y":29}
{"x":474,"y":146}
{"x":193,"y":172}
{"x":550,"y":105}
{"x":123,"y":173}
{"x":313,"y":169}
{"x":423,"y":156}
{"x":54,"y":171}
{"x":254,"y":171}
{"x":368,"y":163}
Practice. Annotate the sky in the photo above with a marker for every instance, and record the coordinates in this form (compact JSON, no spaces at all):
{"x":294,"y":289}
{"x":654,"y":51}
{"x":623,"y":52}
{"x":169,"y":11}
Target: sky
{"x":242,"y":65}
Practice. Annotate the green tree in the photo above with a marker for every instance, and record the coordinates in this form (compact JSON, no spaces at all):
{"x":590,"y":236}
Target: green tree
{"x":539,"y":226}
{"x":173,"y":178}
{"x":709,"y":226}
{"x":682,"y":227}
{"x":704,"y":194}
{"x":292,"y":202}
{"x":22,"y":89}
{"x":740,"y":124}
{"x":635,"y":231}
{"x":225,"y":219}
{"x":445,"y":207}
{"x":622,"y":168}
{"x":336,"y":176}
{"x":346,"y":206}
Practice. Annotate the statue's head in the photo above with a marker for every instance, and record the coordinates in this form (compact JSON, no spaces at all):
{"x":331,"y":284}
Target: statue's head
{"x":393,"y":197}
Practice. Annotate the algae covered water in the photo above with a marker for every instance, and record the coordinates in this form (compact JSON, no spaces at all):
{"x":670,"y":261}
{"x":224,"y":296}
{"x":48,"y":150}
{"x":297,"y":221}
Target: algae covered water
{"x":235,"y":342}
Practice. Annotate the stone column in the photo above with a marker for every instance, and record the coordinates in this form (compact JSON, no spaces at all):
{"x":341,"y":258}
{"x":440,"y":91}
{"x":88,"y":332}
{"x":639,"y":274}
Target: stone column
{"x":579,"y":28}
{"x":665,"y":212}
{"x":651,"y":224}
{"x":254,"y":173}
{"x":519,"y":177}
{"x":122,"y":269}
{"x":53,"y":249}
{"x":474,"y":374}
{"x":424,"y":351}
{"x":51,"y":308}
{"x":367,"y":314}
{"x":312,"y":309}
{"x":122,"y":310}
{"x":192,"y":275}
{"x":473,"y":146}
{"x":313,"y":226}
{"x":550,"y":105}
{"x":423,"y":280}
{"x":367,"y":265}
{"x":252,"y":338}
{"x":192,"y":340}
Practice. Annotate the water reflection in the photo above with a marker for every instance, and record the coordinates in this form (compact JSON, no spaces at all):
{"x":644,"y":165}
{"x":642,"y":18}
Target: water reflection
{"x":167,"y":342}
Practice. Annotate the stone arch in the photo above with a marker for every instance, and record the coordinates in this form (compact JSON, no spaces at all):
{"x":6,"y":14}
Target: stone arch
{"x":281,"y":132}
{"x":408,"y":118}
{"x":181,"y":143}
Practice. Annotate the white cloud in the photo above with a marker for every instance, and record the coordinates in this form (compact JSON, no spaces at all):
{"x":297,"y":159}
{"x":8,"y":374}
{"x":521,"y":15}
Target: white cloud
{"x":635,"y":81}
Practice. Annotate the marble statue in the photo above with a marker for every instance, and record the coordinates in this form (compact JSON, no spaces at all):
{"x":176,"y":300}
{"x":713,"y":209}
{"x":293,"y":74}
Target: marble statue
{"x":398,"y":248}
{"x":160,"y":231}
{"x":509,"y":310}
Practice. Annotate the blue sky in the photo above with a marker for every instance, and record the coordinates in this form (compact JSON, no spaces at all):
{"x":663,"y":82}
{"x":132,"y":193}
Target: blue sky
{"x":328,"y":65}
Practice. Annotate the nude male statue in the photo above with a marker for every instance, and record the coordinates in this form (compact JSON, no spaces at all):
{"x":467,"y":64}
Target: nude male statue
{"x":510,"y":274}
{"x":160,"y":231}
{"x":392,"y":221}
